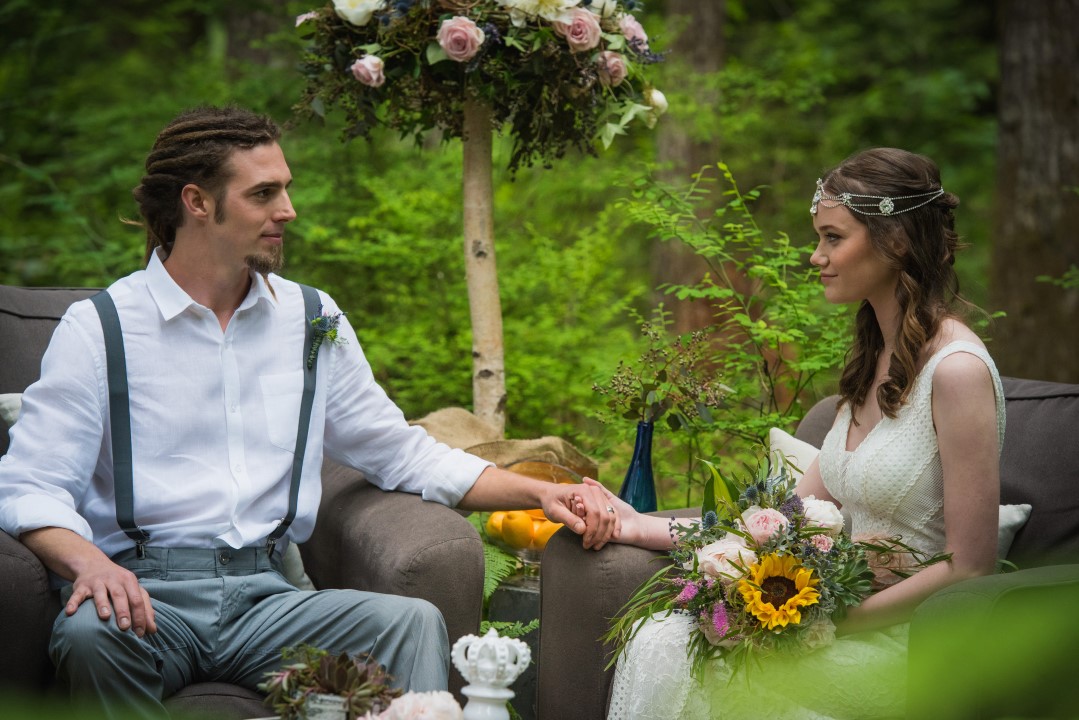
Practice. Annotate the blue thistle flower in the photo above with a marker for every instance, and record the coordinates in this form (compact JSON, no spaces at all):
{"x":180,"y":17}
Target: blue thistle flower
{"x":710,"y":520}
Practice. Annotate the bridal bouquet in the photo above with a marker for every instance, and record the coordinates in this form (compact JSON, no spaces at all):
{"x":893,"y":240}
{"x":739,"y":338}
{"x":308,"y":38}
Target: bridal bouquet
{"x":560,"y":73}
{"x":764,"y":570}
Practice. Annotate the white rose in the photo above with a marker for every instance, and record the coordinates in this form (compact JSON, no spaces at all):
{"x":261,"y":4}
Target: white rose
{"x":716,"y":560}
{"x":435,"y":705}
{"x":358,"y":12}
{"x":658,"y":102}
{"x":819,"y":634}
{"x":551,"y":10}
{"x":603,"y":8}
{"x":823,"y":514}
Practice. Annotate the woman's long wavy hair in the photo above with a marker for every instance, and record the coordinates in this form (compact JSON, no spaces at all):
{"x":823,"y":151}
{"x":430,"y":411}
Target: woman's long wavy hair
{"x":921,"y":244}
{"x":194,"y":148}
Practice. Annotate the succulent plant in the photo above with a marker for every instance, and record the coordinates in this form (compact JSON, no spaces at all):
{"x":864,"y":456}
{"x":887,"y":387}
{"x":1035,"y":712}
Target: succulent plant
{"x":361,"y":680}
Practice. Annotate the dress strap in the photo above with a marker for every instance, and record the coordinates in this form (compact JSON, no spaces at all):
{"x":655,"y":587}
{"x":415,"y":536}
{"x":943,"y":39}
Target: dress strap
{"x":312,"y":310}
{"x":957,"y":346}
{"x":119,"y":420}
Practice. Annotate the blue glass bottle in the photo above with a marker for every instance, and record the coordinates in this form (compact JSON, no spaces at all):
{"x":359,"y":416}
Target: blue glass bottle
{"x":639,"y":487}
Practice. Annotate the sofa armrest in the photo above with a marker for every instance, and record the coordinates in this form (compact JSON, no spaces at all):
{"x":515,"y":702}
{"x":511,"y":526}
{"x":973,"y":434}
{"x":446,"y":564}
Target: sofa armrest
{"x":580,"y":591}
{"x":394,"y":542}
{"x":999,"y":645}
{"x":28,"y":608}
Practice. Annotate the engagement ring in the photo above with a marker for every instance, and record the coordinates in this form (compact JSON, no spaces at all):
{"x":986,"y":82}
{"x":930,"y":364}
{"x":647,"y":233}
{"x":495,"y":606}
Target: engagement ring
{"x":610,"y":509}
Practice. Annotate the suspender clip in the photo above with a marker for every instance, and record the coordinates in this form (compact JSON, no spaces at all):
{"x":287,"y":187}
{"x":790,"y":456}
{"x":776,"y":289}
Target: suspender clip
{"x":140,"y":549}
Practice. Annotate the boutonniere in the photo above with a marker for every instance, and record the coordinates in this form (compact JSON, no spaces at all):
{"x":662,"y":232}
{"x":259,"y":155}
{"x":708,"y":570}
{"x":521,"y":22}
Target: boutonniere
{"x":324,"y":327}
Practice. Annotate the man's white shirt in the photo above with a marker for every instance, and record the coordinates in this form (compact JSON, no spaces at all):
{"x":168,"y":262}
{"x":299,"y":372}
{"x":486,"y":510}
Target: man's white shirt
{"x":214,"y":416}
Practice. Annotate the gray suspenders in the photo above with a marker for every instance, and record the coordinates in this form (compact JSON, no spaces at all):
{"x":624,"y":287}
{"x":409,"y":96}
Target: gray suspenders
{"x":120,"y":419}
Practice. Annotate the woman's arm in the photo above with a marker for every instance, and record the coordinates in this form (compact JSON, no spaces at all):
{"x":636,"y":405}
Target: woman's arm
{"x":812,"y":484}
{"x":647,"y":531}
{"x":965,"y":420}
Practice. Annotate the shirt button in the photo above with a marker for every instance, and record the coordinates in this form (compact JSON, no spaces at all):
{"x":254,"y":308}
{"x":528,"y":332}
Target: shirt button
{"x":237,"y":469}
{"x":233,"y":408}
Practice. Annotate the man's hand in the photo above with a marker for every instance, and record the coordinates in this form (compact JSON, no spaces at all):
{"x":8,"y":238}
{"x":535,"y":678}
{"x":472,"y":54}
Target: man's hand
{"x":113,"y":589}
{"x":584,"y":509}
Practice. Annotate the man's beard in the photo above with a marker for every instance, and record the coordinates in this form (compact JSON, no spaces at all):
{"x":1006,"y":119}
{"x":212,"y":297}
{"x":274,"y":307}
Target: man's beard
{"x":267,"y":262}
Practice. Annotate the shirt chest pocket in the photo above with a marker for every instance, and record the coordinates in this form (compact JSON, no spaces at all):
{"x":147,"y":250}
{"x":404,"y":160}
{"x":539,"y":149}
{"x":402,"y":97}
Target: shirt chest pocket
{"x":281,"y":397}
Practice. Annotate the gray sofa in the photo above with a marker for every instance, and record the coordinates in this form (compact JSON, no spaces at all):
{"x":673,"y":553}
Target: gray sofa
{"x":364,"y":538}
{"x":998,"y":646}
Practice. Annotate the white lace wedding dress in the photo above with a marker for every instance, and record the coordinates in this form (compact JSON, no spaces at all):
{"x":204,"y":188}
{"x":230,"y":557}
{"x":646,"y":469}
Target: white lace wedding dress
{"x":891,"y":484}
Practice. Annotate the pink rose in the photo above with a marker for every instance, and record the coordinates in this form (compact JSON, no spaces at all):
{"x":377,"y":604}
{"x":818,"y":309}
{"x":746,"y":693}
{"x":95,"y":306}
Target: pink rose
{"x":368,"y":70}
{"x":582,"y":32}
{"x":716,"y":560}
{"x":883,"y":563}
{"x":821,"y":542}
{"x":764,"y":523}
{"x":460,"y":38}
{"x":633,"y":31}
{"x":612,"y":68}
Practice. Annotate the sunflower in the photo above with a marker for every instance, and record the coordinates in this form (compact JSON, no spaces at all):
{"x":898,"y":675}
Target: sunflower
{"x":775,"y":588}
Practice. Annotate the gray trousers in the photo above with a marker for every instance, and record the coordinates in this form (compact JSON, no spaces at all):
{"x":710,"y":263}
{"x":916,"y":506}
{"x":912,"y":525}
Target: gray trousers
{"x":223,"y":616}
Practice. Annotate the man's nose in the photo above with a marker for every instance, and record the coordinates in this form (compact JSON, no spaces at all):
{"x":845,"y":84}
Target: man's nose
{"x":286,"y":213}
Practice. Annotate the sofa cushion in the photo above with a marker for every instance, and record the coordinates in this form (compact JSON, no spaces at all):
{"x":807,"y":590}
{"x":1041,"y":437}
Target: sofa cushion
{"x":28,"y":317}
{"x":1039,"y":466}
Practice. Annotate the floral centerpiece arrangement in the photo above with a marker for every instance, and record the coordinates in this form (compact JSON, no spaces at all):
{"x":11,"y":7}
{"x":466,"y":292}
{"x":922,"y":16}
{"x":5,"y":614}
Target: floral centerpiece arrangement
{"x":559,"y":73}
{"x":555,"y":75}
{"x":361,"y":682}
{"x":765,"y":570}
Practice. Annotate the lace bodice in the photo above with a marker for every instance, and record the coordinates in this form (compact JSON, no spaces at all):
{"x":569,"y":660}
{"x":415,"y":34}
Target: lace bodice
{"x":892,"y":483}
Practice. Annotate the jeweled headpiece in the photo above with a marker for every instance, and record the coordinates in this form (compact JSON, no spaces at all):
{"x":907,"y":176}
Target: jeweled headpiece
{"x":870,"y":204}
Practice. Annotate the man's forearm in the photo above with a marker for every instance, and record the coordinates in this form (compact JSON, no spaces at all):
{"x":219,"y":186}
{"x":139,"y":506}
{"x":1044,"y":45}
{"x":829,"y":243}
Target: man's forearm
{"x":498,"y":489}
{"x":64,"y":552}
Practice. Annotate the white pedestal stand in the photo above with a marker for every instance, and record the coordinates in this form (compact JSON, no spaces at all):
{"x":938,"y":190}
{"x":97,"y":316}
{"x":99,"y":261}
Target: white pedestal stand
{"x":490,"y":664}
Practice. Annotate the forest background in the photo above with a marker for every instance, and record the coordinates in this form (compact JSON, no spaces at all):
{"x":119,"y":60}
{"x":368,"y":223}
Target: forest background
{"x":778,"y":91}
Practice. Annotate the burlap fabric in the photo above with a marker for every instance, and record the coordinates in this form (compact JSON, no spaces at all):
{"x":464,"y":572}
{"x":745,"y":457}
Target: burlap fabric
{"x":459,"y":428}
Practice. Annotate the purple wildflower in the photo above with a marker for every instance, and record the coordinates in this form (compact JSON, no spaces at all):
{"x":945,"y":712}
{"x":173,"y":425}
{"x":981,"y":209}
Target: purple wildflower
{"x":719,"y":619}
{"x":689,"y":591}
{"x":792,"y":506}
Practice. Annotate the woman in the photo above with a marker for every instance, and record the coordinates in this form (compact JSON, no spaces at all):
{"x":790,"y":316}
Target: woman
{"x":914,"y":451}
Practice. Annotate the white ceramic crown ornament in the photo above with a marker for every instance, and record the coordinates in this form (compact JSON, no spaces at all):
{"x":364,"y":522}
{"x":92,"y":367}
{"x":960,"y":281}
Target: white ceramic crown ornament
{"x":490,"y":664}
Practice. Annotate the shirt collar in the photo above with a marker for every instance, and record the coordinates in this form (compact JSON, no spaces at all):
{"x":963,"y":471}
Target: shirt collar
{"x":172,"y":299}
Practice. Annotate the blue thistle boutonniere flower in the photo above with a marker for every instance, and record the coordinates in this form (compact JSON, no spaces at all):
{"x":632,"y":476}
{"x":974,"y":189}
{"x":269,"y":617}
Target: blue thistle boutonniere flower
{"x":324,"y":327}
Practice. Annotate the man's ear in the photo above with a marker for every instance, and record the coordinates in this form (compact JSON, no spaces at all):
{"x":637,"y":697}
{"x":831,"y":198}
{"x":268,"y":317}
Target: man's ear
{"x":197,"y":202}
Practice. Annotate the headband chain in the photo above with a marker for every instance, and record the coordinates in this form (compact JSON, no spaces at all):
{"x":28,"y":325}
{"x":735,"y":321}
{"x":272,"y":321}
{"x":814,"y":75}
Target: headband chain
{"x":882,"y":203}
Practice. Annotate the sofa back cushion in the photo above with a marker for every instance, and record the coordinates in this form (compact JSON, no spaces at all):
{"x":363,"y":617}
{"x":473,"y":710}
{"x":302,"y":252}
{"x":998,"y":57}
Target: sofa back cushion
{"x":28,"y":317}
{"x":1040,"y":466}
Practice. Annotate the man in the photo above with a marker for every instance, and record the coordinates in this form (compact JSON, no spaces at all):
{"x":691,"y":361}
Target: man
{"x":170,"y":581}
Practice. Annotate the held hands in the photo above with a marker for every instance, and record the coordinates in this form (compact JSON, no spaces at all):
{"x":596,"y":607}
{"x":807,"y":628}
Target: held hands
{"x":630,"y":522}
{"x":585,"y":510}
{"x":114,"y":589}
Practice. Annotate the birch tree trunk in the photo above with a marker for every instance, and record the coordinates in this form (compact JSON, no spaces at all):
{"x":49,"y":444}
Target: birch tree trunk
{"x":488,"y":366}
{"x":1037,"y":202}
